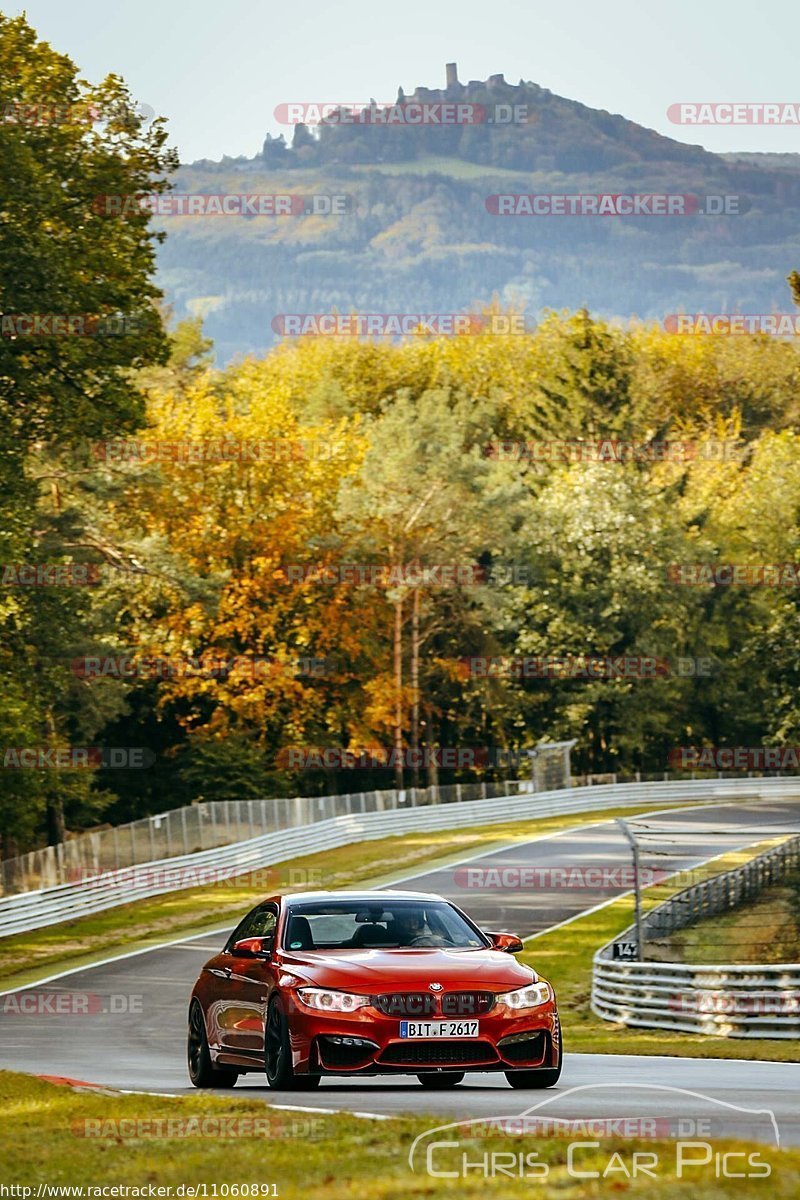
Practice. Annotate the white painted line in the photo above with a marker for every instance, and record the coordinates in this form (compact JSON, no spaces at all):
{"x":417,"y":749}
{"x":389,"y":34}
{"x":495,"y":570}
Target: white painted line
{"x":701,"y":862}
{"x":498,"y":849}
{"x":587,"y":912}
{"x":104,"y":962}
{"x":548,"y":837}
{"x":346,"y":1111}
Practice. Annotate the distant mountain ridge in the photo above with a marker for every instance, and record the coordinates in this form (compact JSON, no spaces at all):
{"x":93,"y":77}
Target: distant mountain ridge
{"x":559,"y":134}
{"x":419,"y":235}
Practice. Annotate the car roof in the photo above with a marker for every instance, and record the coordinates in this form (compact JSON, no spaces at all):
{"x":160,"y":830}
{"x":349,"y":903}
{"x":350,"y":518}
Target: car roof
{"x":367,"y":897}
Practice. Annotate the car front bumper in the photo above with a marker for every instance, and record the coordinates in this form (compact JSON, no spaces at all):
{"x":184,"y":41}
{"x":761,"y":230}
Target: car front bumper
{"x":367,"y":1042}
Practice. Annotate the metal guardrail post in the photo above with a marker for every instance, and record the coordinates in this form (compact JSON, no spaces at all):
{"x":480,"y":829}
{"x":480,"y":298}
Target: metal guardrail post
{"x":637,"y":890}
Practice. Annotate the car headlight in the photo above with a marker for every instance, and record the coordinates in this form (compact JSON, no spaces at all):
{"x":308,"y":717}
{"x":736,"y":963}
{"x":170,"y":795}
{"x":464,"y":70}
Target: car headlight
{"x":532,"y":996}
{"x":325,"y":1001}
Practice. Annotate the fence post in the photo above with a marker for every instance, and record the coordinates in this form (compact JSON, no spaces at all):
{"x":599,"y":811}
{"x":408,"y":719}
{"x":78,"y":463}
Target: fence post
{"x":637,"y":891}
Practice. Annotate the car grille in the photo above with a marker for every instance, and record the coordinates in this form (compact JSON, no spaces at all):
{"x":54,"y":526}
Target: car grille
{"x":437,"y":1053}
{"x":466,"y":1004}
{"x":428,"y":1004}
{"x":406,"y":1004}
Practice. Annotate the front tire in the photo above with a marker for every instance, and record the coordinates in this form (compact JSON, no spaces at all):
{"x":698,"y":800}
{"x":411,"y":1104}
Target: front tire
{"x":441,"y":1080}
{"x":278,"y":1054}
{"x":202,"y":1071}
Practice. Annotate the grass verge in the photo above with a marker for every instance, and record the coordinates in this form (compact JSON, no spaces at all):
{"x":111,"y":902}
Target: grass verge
{"x":337,"y":1156}
{"x":767,"y":930}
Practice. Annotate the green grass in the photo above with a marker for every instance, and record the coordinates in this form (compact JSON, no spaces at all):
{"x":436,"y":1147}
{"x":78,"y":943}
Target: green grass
{"x":764,"y":931}
{"x":193,"y":910}
{"x":335,"y":1157}
{"x":565,"y":955}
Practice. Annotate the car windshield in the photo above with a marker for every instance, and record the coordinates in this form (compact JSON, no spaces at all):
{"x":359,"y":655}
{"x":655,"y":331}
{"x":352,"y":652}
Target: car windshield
{"x":394,"y":925}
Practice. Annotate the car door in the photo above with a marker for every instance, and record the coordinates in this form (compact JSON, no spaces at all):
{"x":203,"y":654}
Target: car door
{"x":241,"y":1010}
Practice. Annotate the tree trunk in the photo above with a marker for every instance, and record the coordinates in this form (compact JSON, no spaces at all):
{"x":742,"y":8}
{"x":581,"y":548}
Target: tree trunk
{"x":9,"y":847}
{"x":415,"y":690}
{"x":56,"y":829}
{"x":398,"y":694}
{"x":432,"y":764}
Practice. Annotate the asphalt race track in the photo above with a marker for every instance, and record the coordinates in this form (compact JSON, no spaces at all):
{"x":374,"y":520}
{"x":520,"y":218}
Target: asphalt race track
{"x":130,"y":1032}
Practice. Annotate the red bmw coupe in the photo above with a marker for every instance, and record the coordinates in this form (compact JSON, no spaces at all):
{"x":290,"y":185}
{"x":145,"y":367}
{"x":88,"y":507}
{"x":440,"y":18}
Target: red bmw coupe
{"x":369,"y":983}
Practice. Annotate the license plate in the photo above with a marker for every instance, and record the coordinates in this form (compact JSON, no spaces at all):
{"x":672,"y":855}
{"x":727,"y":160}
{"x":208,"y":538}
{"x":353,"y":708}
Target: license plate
{"x":439,"y":1029}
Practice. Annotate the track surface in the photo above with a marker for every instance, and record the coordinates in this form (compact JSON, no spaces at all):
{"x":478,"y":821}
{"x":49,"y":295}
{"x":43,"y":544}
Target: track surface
{"x":133,"y":1035}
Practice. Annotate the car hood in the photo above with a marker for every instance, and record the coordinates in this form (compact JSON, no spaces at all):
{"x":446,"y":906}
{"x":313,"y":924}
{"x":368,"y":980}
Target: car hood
{"x":374,"y":970}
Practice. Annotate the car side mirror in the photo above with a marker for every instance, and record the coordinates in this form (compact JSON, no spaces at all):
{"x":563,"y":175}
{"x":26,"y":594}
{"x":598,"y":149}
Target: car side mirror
{"x":509,"y":943}
{"x":254,"y":947}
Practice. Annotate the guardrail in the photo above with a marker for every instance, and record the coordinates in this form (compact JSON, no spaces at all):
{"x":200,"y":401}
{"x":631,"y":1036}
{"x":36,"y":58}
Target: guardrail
{"x":726,"y":1000}
{"x":308,"y":828}
{"x":209,"y":823}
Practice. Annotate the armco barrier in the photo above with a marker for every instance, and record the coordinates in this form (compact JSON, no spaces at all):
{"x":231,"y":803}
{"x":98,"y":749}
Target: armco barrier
{"x":305,"y":835}
{"x":728,"y":1000}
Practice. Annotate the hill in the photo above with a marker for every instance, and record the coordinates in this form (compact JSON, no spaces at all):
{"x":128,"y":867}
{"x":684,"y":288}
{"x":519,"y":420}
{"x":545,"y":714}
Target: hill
{"x":417,"y":235}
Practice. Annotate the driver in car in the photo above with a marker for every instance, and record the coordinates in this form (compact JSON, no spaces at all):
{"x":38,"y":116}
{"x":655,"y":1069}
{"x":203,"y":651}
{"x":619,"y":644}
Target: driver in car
{"x":409,"y":928}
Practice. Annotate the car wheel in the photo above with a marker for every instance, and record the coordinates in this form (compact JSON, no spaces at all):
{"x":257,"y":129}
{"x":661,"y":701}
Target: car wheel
{"x":543,"y":1077}
{"x":442,"y":1079}
{"x":278,"y":1054}
{"x":202,"y":1071}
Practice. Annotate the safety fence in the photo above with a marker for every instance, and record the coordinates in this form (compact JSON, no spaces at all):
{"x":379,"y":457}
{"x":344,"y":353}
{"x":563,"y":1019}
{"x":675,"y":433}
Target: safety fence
{"x":210,"y":823}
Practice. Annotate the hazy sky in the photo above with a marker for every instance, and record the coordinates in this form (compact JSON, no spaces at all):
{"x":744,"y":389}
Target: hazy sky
{"x":217,"y":70}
